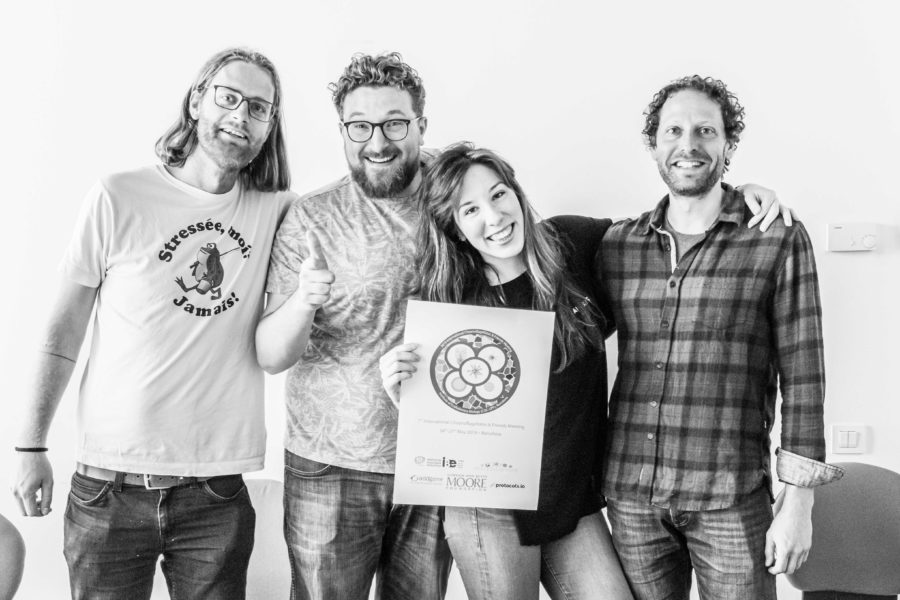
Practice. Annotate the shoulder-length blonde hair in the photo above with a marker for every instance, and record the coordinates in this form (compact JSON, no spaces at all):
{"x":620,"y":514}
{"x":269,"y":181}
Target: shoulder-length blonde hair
{"x":269,"y":171}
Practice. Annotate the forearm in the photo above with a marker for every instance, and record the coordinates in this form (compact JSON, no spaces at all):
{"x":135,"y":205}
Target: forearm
{"x":797,"y":501}
{"x":282,"y":335}
{"x":50,"y":378}
{"x":55,"y":361}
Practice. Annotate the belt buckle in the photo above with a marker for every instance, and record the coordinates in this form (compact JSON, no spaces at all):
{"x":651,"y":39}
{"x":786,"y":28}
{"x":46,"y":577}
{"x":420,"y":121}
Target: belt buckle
{"x":149,"y":479}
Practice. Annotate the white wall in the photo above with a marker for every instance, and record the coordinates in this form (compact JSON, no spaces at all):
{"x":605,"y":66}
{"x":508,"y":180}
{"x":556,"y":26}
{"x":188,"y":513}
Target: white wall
{"x":557,"y":87}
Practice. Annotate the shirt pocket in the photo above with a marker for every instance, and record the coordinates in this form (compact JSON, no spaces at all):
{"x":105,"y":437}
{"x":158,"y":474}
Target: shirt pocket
{"x":724,"y":307}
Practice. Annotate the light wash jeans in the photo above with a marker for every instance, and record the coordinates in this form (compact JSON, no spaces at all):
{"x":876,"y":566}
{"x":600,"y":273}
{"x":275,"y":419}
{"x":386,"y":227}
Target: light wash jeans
{"x":659,"y":547}
{"x":342,"y":529}
{"x":114,"y":537}
{"x":494,"y":565}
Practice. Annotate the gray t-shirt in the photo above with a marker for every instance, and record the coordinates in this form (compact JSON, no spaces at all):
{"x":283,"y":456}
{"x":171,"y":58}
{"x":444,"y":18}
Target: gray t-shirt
{"x":337,"y":411}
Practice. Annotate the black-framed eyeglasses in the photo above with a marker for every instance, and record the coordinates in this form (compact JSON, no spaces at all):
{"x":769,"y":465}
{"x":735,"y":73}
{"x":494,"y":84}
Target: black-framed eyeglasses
{"x":392,"y":129}
{"x":226,"y":97}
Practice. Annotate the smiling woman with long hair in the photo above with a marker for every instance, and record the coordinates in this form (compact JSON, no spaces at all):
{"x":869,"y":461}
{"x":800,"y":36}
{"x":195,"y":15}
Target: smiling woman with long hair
{"x":479,"y":243}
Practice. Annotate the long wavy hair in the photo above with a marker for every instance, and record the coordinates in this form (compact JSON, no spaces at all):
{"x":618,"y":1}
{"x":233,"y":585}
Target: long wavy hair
{"x":451,"y":270}
{"x":269,"y":171}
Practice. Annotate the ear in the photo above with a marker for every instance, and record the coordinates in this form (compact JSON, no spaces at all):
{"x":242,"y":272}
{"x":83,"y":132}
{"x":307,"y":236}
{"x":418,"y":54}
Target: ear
{"x":194,"y":104}
{"x":423,"y":125}
{"x":730,"y":147}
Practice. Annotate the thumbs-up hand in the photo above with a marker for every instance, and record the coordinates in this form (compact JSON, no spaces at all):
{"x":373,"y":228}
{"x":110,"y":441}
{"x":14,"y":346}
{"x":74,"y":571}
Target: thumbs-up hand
{"x":315,"y":278}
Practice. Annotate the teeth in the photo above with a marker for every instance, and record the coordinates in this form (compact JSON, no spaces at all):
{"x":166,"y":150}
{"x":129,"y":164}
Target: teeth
{"x":687,"y":164}
{"x":502,"y":235}
{"x":380,"y":160}
{"x":235,"y":133}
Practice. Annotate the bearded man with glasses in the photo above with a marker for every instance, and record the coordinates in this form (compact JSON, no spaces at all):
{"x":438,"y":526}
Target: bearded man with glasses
{"x":356,"y":233}
{"x":171,"y":405}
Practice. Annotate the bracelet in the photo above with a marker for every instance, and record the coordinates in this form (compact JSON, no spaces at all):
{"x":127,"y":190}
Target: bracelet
{"x":32,"y":449}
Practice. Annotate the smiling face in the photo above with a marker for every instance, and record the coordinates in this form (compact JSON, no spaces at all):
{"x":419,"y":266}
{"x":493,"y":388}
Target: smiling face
{"x":489,"y":216}
{"x":383,"y":168}
{"x":232,"y":138}
{"x":691,"y":147}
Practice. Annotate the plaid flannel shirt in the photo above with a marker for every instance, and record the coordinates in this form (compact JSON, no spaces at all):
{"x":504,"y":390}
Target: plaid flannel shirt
{"x":703,"y":342}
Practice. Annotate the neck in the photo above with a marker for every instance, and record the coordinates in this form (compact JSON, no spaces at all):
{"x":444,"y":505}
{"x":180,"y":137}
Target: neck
{"x":200,"y":172}
{"x":694,"y":214}
{"x":413,"y":186}
{"x":501,"y":272}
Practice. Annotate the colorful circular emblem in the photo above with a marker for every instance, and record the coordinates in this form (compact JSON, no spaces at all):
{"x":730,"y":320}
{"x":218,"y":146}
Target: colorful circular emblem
{"x":475,"y":371}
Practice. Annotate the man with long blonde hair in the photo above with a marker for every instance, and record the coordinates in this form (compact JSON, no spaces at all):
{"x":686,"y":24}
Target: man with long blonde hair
{"x":171,"y":404}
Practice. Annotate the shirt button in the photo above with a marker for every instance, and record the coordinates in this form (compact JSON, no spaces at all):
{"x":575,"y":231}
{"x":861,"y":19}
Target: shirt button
{"x":653,"y":403}
{"x":659,"y":365}
{"x":671,"y":284}
{"x":649,"y":436}
{"x":664,"y":324}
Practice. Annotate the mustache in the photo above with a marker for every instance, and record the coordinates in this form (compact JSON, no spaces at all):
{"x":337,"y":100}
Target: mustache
{"x":381,"y":155}
{"x":692,"y":155}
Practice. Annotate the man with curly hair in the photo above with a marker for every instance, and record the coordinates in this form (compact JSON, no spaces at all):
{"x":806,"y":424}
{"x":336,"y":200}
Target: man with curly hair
{"x":351,"y":244}
{"x":711,"y":316}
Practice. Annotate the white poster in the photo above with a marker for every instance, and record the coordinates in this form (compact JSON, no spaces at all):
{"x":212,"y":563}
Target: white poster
{"x":472,"y":416}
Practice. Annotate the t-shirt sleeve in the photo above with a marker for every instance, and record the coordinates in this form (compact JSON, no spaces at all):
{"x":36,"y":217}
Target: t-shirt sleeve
{"x":288,"y":251}
{"x":85,"y":261}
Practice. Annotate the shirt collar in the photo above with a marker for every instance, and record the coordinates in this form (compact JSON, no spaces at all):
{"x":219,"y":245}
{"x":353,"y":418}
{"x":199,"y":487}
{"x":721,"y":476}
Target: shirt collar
{"x":732,"y":210}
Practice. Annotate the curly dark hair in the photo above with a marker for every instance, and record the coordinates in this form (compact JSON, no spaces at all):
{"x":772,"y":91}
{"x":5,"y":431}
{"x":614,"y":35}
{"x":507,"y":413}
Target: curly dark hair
{"x":732,"y":111}
{"x":382,"y":70}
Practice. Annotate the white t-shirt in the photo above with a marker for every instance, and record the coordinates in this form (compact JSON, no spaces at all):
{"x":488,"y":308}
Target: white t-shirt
{"x":172,"y":385}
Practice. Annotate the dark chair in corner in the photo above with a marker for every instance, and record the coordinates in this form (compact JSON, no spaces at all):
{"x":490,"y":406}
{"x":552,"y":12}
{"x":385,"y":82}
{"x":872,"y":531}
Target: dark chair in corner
{"x":855,"y":552}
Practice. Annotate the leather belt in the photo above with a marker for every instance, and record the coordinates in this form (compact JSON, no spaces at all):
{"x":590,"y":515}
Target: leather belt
{"x":145,"y":480}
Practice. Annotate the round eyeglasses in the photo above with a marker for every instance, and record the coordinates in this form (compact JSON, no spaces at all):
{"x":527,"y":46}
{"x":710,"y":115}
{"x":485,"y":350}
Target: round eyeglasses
{"x":392,"y":129}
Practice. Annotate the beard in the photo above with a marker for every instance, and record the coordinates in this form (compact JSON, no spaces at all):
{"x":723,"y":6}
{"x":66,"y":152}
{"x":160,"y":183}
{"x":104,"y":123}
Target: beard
{"x":695,"y":187}
{"x":390,"y":183}
{"x":229,"y":157}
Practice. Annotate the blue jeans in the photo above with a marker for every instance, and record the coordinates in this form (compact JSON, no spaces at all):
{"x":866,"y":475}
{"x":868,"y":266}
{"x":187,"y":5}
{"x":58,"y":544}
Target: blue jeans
{"x":342,"y":529}
{"x":114,"y":536}
{"x":658,"y":548}
{"x":494,"y":565}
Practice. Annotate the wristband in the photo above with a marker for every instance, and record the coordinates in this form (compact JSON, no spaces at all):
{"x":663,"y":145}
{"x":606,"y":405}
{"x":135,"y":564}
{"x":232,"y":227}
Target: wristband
{"x":32,"y":449}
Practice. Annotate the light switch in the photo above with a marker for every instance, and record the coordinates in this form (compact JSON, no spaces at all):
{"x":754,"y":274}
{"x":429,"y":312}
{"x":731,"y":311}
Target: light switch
{"x":848,"y":438}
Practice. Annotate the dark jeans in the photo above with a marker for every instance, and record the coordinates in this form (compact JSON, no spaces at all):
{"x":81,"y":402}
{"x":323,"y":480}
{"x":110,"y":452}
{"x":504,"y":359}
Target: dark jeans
{"x":659,"y":547}
{"x":342,"y":528}
{"x":114,"y":537}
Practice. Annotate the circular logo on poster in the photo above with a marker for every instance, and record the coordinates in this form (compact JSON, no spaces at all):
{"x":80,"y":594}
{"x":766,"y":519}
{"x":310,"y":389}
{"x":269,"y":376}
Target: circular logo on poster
{"x":475,"y":371}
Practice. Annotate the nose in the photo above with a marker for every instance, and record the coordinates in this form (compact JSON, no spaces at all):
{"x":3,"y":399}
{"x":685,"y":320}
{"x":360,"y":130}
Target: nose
{"x":241,"y":111}
{"x":687,"y":142}
{"x":492,"y":214}
{"x":377,"y":142}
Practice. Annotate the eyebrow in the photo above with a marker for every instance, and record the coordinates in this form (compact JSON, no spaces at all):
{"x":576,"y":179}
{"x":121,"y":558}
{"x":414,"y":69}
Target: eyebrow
{"x":390,"y":113}
{"x":241,"y":92}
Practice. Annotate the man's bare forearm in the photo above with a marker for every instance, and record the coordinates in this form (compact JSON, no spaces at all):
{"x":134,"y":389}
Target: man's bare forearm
{"x":55,"y":361}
